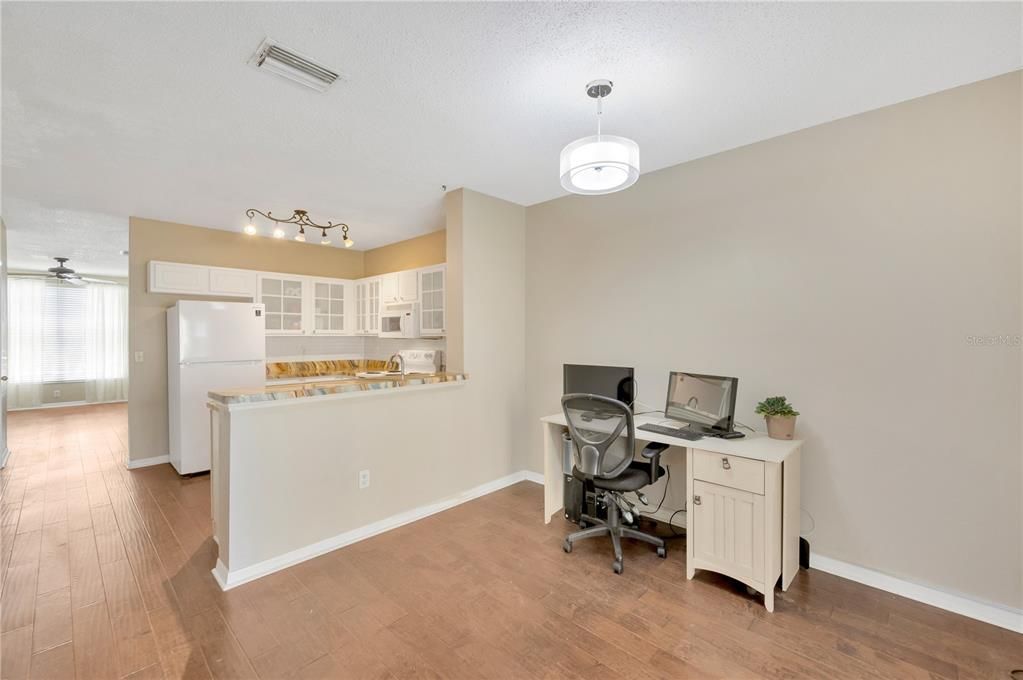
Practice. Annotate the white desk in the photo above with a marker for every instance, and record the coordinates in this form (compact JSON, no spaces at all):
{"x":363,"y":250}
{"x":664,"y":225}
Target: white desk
{"x":743,"y":494}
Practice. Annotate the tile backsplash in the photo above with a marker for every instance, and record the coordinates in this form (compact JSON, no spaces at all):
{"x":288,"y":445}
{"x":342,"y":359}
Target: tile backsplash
{"x":297,"y":346}
{"x":343,"y":346}
{"x":381,"y":348}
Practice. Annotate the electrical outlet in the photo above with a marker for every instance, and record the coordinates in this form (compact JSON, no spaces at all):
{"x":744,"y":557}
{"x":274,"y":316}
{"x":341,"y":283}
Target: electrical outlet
{"x":363,"y":479}
{"x":56,"y":393}
{"x":138,"y":357}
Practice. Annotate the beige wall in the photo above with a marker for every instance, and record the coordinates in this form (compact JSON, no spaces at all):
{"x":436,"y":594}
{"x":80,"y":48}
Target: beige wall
{"x":844,"y":266}
{"x":421,"y":251}
{"x":147,"y":327}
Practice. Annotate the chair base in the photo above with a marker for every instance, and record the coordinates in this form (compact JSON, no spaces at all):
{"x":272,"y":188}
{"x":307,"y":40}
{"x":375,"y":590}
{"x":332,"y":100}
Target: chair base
{"x":613,"y":528}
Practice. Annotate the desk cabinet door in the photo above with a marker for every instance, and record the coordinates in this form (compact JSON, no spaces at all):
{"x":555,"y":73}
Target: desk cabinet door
{"x":728,"y":530}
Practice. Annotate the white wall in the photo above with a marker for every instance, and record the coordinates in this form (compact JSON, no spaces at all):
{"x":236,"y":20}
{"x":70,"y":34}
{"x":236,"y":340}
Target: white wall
{"x":844,"y":266}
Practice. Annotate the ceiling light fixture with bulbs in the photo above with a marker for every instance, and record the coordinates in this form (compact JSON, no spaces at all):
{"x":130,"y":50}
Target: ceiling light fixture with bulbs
{"x":599,"y":164}
{"x":300,"y":218}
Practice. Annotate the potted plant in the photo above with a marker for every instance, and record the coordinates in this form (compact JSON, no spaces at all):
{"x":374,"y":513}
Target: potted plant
{"x":780,"y":417}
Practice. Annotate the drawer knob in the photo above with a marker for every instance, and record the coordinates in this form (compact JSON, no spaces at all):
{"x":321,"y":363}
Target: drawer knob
{"x":696,"y":500}
{"x":725,"y":464}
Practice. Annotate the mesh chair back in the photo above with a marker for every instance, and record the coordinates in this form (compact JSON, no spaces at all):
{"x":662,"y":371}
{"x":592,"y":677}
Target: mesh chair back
{"x":603,"y":432}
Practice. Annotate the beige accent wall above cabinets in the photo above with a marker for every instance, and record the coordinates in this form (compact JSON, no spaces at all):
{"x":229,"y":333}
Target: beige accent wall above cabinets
{"x":846,"y":266}
{"x":147,"y":327}
{"x":421,"y":251}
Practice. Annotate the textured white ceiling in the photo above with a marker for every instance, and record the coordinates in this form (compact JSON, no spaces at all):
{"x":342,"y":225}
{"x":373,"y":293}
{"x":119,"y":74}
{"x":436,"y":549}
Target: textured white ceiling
{"x":150,"y":108}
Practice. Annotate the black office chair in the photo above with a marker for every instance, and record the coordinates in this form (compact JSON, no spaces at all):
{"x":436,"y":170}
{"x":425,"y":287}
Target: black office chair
{"x":605,"y":439}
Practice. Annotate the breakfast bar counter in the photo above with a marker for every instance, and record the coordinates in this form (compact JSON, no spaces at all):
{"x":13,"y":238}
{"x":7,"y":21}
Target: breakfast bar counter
{"x":327,"y":453}
{"x":332,"y":385}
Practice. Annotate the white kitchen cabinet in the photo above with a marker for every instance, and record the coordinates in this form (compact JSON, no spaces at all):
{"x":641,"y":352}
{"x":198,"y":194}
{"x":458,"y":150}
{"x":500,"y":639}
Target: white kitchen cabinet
{"x":367,"y":306}
{"x":285,"y":300}
{"x":389,"y":288}
{"x":332,"y":307}
{"x":182,"y":279}
{"x":433,"y":306}
{"x":408,"y":286}
{"x":176,"y":278}
{"x":232,"y":282}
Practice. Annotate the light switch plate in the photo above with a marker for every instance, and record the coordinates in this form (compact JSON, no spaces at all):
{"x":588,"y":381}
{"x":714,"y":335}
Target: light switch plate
{"x":139,"y":357}
{"x":363,"y":479}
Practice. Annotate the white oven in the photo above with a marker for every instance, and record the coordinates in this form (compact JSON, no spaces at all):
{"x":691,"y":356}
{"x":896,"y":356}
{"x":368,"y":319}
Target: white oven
{"x":399,"y":321}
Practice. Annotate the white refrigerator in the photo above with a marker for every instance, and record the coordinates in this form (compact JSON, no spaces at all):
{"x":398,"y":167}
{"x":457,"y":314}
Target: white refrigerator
{"x":210,"y":346}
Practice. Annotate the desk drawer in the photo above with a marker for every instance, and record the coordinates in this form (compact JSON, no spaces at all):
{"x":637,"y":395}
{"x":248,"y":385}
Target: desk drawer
{"x":730,"y":471}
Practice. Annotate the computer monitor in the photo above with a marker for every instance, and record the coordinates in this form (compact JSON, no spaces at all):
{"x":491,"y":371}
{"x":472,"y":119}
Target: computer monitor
{"x":616,"y":382}
{"x":706,"y":402}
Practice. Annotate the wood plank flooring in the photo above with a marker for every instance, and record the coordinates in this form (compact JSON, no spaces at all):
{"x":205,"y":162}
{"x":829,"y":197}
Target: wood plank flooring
{"x":106,"y":574}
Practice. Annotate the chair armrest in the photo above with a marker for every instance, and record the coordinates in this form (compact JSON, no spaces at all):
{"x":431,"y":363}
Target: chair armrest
{"x":652,"y":452}
{"x":653,"y":449}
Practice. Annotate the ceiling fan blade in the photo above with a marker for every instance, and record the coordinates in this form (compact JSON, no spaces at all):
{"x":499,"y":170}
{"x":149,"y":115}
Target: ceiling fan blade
{"x":73,"y":280}
{"x":88,"y":280}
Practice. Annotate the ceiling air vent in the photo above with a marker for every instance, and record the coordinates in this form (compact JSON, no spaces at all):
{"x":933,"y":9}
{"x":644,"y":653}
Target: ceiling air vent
{"x":289,"y":64}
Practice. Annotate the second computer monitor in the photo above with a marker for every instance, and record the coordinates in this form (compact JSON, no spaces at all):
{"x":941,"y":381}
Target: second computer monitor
{"x":706,"y":401}
{"x":616,"y":382}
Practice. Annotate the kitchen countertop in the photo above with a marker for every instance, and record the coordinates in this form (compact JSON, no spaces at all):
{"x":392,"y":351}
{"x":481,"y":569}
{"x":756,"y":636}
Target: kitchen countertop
{"x":331,"y":385}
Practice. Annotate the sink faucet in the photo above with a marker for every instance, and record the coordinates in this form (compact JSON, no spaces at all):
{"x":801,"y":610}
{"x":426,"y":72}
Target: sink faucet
{"x":401,"y":363}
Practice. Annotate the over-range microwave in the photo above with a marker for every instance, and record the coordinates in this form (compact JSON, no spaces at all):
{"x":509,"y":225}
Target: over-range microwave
{"x":399,"y":321}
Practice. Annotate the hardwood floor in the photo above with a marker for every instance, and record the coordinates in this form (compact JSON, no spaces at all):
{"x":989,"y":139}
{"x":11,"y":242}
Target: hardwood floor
{"x":106,"y":574}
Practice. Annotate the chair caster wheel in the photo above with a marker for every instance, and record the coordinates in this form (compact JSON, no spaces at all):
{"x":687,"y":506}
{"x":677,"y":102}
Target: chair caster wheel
{"x":662,"y":552}
{"x":566,"y":546}
{"x":582,"y":524}
{"x":617,"y":566}
{"x":752,"y":592}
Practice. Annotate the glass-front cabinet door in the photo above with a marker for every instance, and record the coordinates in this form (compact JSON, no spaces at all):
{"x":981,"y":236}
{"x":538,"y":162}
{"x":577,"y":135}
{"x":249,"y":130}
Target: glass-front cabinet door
{"x":284,"y":300}
{"x":432,"y":321}
{"x":330,"y":313}
{"x":367,"y":306}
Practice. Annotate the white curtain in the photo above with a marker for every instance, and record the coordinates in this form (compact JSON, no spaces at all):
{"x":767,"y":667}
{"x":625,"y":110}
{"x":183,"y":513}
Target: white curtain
{"x":106,"y":343}
{"x":97,"y":325}
{"x":25,"y":342}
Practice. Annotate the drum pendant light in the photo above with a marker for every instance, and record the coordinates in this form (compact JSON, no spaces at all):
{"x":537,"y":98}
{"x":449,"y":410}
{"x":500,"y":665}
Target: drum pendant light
{"x":599,"y":164}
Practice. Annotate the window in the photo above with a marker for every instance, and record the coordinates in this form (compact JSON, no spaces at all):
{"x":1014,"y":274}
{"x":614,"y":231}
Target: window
{"x":64,"y":333}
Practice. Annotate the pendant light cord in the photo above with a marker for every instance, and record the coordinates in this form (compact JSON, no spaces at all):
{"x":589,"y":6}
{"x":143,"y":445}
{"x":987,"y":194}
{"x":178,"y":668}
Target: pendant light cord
{"x":600,"y":110}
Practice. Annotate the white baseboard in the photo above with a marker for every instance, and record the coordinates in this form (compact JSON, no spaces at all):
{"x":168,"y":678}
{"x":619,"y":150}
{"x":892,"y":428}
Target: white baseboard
{"x":996,"y":615}
{"x":535,"y":477}
{"x":147,"y":462}
{"x":232,"y":579}
{"x":66,"y":404}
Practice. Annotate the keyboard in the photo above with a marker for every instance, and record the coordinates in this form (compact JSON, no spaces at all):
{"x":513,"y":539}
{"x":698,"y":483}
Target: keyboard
{"x":680,"y":432}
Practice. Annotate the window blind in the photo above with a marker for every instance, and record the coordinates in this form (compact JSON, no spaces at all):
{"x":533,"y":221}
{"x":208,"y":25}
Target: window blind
{"x":64,"y":333}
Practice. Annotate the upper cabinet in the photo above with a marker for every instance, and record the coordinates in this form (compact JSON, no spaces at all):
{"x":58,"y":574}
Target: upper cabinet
{"x":408,"y":286}
{"x":367,"y":306}
{"x":284,"y":298}
{"x":194,"y":279}
{"x":233,"y":282}
{"x":389,"y":288}
{"x":306,"y":305}
{"x":171,"y":277}
{"x":331,"y":307}
{"x":432,"y":314}
{"x":399,"y":287}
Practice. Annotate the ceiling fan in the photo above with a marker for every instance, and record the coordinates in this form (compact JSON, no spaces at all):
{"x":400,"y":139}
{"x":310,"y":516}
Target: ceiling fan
{"x":68,"y":275}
